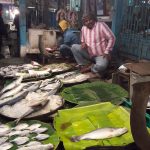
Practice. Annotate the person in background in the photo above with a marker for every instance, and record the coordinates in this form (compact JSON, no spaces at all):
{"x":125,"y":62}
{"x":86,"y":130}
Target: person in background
{"x":3,"y":30}
{"x":16,"y":23}
{"x":97,"y":41}
{"x":60,"y":15}
{"x":69,"y":38}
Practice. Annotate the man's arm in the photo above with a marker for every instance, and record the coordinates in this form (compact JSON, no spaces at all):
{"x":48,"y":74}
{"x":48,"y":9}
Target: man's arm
{"x":109,"y":36}
{"x":83,"y":44}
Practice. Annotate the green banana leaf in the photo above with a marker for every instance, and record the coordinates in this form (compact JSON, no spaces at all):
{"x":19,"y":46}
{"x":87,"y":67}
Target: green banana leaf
{"x":53,"y":139}
{"x":77,"y":121}
{"x":96,"y":91}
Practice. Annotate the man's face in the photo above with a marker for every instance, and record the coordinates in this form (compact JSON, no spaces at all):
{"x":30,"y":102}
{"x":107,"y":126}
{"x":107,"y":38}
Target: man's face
{"x":89,"y":23}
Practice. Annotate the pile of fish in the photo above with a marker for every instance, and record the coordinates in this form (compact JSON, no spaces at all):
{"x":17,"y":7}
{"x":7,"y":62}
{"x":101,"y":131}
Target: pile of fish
{"x":12,"y":70}
{"x":25,"y":136}
{"x":19,"y":100}
{"x":33,"y":70}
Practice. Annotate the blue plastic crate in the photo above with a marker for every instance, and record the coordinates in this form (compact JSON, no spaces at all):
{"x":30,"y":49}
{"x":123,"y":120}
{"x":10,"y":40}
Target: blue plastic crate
{"x":127,"y":103}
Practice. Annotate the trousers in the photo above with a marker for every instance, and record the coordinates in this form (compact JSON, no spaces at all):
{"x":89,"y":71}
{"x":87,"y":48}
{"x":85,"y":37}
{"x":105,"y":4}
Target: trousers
{"x":83,"y":58}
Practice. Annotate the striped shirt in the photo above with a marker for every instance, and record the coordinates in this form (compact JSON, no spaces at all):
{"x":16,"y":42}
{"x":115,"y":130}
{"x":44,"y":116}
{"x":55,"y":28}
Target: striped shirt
{"x":100,"y":39}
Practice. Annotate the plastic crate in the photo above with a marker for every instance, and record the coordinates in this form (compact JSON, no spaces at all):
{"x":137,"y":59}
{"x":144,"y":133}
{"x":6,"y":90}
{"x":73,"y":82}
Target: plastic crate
{"x":127,"y":103}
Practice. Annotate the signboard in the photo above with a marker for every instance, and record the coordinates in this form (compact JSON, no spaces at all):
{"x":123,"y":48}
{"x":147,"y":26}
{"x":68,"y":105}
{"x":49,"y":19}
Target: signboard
{"x":7,"y":1}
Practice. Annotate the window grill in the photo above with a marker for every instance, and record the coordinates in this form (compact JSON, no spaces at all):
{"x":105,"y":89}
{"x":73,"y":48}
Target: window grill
{"x":134,"y":37}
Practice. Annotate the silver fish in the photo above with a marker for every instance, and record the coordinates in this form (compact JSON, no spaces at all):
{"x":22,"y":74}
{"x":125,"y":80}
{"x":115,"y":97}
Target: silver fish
{"x":12,"y":85}
{"x":3,"y":140}
{"x":4,"y":130}
{"x":53,"y":85}
{"x":12,"y":92}
{"x":39,"y":73}
{"x":19,"y":132}
{"x":21,"y":126}
{"x":65,"y":75}
{"x":14,"y":99}
{"x":47,"y":81}
{"x":20,"y":140}
{"x":75,"y":78}
{"x":56,"y":102}
{"x":12,"y":133}
{"x":34,"y":87}
{"x":33,"y":143}
{"x":6,"y":146}
{"x":34,"y":63}
{"x":41,"y":137}
{"x":34,"y":126}
{"x":34,"y":107}
{"x":40,"y":130}
{"x":38,"y":147}
{"x":102,"y":133}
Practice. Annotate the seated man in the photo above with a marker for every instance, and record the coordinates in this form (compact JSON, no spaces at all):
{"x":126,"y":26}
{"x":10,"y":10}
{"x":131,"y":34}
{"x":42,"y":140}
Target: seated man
{"x":97,"y":42}
{"x":69,"y":38}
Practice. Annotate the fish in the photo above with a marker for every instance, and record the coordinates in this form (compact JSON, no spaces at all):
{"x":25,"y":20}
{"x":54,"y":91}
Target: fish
{"x":41,"y":137}
{"x":40,"y":130}
{"x":6,"y":146}
{"x":12,"y":100}
{"x":39,"y":73}
{"x":19,"y":133}
{"x":4,"y":130}
{"x":75,"y":78}
{"x":100,"y":134}
{"x":12,"y":85}
{"x":24,"y":133}
{"x":53,"y":85}
{"x":34,"y":63}
{"x":65,"y":75}
{"x":32,"y":143}
{"x":56,"y":102}
{"x":12,"y":92}
{"x":21,"y":126}
{"x":38,"y":147}
{"x":20,"y":140}
{"x":33,"y":107}
{"x":34,"y":87}
{"x":3,"y":140}
{"x":12,"y":133}
{"x":55,"y":67}
{"x":34,"y":126}
{"x":47,"y":81}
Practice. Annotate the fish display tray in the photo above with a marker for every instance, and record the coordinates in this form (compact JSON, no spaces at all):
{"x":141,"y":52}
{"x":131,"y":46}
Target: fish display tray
{"x":84,"y":119}
{"x":53,"y":137}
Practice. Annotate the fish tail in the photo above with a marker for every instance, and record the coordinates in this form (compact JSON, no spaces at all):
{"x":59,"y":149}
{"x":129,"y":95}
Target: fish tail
{"x":17,"y":120}
{"x":75,"y":138}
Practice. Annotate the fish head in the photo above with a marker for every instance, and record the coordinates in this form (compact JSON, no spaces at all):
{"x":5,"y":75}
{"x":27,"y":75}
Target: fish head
{"x":123,"y":130}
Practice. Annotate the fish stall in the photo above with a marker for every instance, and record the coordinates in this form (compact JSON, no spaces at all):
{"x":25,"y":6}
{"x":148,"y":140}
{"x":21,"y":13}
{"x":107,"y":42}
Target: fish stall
{"x":54,"y":106}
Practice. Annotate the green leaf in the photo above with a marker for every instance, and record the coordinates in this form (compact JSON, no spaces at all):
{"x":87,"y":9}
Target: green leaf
{"x":96,"y":91}
{"x":77,"y":121}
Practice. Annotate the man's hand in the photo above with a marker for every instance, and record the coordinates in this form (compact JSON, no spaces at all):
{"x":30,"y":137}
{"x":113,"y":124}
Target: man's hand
{"x":84,"y":45}
{"x":107,"y":56}
{"x":51,"y":50}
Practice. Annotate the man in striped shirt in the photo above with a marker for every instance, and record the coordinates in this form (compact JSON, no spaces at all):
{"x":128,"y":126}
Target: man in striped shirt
{"x":97,"y":41}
